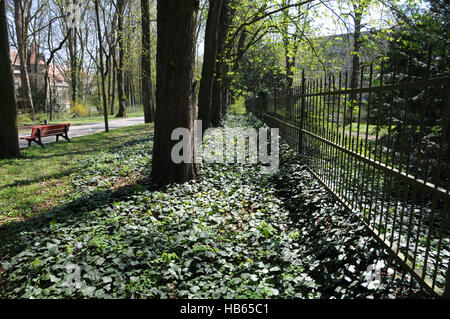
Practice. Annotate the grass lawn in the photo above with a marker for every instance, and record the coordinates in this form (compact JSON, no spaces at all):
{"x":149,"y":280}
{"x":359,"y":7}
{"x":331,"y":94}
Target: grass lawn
{"x":102,"y":229}
{"x":41,"y":178}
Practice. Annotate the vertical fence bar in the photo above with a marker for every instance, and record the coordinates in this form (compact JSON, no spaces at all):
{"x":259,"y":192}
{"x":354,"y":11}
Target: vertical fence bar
{"x":302,"y":113}
{"x":376,"y":174}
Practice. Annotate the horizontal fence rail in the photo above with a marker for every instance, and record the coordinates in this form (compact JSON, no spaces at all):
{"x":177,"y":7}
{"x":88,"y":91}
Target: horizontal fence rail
{"x":382,"y":148}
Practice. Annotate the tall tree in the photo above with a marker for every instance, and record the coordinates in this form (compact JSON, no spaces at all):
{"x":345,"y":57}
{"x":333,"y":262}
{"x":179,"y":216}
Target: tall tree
{"x":176,"y":21}
{"x":146,"y":62}
{"x":209,"y":63}
{"x":120,"y":72}
{"x":102,"y":68}
{"x":359,"y":8}
{"x":9,"y":139}
{"x":72,"y":47}
{"x":21,"y":20}
{"x":220,"y":90}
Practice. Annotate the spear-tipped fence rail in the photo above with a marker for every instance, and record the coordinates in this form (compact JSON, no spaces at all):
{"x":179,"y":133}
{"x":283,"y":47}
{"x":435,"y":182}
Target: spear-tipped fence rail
{"x":383,"y":150}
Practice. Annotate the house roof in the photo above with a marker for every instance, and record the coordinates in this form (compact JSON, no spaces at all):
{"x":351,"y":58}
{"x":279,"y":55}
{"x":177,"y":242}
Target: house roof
{"x":14,"y":57}
{"x":56,"y":72}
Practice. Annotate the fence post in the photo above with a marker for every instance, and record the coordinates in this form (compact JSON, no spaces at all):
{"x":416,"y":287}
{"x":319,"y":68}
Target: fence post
{"x":302,"y":114}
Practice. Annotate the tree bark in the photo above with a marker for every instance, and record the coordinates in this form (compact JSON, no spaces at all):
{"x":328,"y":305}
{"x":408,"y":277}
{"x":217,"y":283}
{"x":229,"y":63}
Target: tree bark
{"x":73,"y":65}
{"x":221,"y":68}
{"x":21,"y":35}
{"x":174,"y":86}
{"x":102,"y":68}
{"x":47,"y":87}
{"x":355,"y":62}
{"x":209,"y":63}
{"x":113,"y":86}
{"x":120,"y":71}
{"x":9,"y":139}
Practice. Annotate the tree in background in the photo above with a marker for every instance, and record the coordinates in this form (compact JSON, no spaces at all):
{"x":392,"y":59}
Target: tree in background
{"x":22,"y":15}
{"x":209,"y":63}
{"x":147,"y":95}
{"x":102,"y":68}
{"x":121,"y":6}
{"x":220,"y":84}
{"x":9,"y":139}
{"x":359,"y":9}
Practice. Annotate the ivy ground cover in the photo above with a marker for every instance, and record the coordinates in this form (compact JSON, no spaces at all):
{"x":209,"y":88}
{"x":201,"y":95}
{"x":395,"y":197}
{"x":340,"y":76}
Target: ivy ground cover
{"x":234,"y":233}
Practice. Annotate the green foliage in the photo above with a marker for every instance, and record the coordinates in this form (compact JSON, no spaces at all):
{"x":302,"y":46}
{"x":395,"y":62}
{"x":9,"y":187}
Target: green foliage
{"x":238,"y":107}
{"x":236,"y":233}
{"x":24,"y":119}
{"x":78,"y":109}
{"x":259,"y":71}
{"x":33,"y":186}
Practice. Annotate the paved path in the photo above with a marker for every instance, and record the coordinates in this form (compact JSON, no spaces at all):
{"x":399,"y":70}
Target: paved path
{"x":85,"y":129}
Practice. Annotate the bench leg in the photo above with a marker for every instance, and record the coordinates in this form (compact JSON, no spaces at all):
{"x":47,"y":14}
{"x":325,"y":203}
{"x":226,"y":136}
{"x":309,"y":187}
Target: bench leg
{"x":66,"y":136}
{"x":38,"y":141}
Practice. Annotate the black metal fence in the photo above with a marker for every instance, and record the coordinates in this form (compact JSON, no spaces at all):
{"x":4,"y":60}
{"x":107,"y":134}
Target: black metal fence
{"x":383,"y":149}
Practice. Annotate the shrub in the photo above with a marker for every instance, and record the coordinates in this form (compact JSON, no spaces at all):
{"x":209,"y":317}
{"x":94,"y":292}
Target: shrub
{"x":24,"y":119}
{"x":78,"y":109}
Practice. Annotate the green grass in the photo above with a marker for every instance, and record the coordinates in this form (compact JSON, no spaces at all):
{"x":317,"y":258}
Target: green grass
{"x":233,"y":233}
{"x":238,"y":107}
{"x":40,"y":178}
{"x":383,"y":129}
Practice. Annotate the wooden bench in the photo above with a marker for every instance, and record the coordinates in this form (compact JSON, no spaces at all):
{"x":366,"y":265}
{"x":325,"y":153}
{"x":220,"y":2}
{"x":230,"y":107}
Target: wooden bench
{"x":47,"y":130}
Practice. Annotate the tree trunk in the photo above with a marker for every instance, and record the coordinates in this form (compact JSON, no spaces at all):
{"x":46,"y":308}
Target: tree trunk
{"x":50,"y":95}
{"x":51,"y":90}
{"x":209,"y":63}
{"x":9,"y":139}
{"x":109,"y":75}
{"x":126,"y":89}
{"x":217,"y":96}
{"x":46,"y":86}
{"x":147,"y":94}
{"x":227,"y":83}
{"x":120,"y":71}
{"x":21,"y":35}
{"x":132,"y":92}
{"x":73,"y":65}
{"x":288,"y":58}
{"x":113,"y":86}
{"x":225,"y":97}
{"x":174,"y":85}
{"x":102,"y":69}
{"x":355,"y":63}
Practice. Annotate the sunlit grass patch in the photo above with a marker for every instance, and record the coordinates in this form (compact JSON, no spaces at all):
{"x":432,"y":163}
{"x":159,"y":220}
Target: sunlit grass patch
{"x":40,"y":178}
